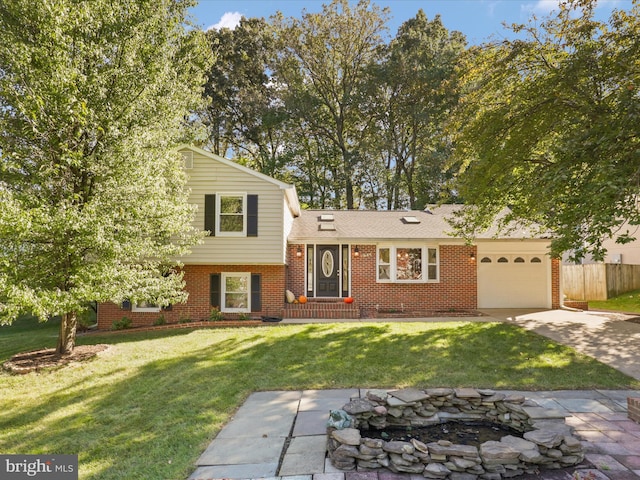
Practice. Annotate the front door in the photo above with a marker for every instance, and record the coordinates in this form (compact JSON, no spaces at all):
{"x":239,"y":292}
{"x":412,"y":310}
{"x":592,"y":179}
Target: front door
{"x":328,"y":271}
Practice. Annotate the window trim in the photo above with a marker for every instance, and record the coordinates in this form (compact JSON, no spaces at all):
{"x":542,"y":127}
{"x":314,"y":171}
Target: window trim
{"x":393,"y":266}
{"x":148,"y":308}
{"x":223,"y":292}
{"x":219,"y":214}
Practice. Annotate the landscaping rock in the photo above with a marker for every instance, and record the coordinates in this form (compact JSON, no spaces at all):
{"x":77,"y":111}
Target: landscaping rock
{"x":398,"y":447}
{"x":410,"y":395}
{"x":347,"y":436}
{"x":498,"y":451}
{"x":548,"y":441}
{"x":546,"y":438}
{"x":357,"y":406}
{"x":436,"y":470}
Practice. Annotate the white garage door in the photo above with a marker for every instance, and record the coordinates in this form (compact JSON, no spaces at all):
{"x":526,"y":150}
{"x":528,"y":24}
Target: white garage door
{"x":513,"y":281}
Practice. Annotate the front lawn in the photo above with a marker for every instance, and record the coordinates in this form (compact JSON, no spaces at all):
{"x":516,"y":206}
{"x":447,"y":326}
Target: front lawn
{"x":147,"y":407}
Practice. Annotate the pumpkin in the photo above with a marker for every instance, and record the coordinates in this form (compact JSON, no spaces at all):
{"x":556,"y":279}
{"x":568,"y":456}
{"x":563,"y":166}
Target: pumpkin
{"x":302,"y":299}
{"x":348,"y":300}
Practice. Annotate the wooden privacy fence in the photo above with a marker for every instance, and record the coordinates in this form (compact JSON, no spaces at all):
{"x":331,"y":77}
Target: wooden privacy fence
{"x":599,"y":281}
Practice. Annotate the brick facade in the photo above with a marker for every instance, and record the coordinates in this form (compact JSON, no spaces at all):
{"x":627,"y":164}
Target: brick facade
{"x":555,"y":283}
{"x":456,"y":290}
{"x":198,"y":305}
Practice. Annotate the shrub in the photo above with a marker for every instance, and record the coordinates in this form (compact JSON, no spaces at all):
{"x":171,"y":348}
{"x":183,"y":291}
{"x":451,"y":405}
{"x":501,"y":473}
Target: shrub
{"x":215,"y":315}
{"x":123,"y":323}
{"x":160,"y":321}
{"x":86,"y":320}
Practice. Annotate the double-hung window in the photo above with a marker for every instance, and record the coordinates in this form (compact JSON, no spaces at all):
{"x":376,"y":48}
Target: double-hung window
{"x":236,"y":292}
{"x":231,"y":214}
{"x":407,"y":264}
{"x":232,"y":218}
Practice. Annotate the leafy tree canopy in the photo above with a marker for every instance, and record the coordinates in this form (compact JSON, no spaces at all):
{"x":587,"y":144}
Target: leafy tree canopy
{"x":94,"y":98}
{"x":548,"y":126}
{"x":322,"y":63}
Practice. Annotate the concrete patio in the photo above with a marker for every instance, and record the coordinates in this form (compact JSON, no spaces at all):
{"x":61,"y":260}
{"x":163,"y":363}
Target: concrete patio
{"x":282,"y":434}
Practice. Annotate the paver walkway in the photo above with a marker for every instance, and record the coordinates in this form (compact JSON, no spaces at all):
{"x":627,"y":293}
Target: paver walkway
{"x":282,"y":435}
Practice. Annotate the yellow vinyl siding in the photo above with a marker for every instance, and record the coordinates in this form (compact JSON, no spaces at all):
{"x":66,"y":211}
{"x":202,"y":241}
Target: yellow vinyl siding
{"x":211,"y":177}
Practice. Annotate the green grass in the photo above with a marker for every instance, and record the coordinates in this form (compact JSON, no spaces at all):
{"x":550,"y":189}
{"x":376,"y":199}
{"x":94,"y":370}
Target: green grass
{"x":627,"y":302}
{"x":147,"y":407}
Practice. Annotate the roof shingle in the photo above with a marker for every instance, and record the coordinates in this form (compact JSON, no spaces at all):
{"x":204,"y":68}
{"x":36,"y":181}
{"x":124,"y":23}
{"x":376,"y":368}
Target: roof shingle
{"x":382,"y":225}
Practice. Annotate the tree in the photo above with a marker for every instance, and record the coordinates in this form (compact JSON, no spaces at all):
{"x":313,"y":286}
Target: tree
{"x":418,"y":89}
{"x":323,"y":63}
{"x":94,"y":98}
{"x":245,"y":114}
{"x":549,"y":128}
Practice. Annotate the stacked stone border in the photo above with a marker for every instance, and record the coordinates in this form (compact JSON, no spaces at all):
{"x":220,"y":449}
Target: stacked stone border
{"x":547,"y":441}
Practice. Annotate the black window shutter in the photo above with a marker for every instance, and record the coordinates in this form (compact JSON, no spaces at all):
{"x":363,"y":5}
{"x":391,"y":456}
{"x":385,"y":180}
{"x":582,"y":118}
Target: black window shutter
{"x":256,"y":292}
{"x":252,"y":215}
{"x":126,"y":305}
{"x":210,"y":214}
{"x":214,"y":290}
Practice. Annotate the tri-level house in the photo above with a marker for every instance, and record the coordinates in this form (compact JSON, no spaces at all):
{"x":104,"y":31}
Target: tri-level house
{"x":261,"y":243}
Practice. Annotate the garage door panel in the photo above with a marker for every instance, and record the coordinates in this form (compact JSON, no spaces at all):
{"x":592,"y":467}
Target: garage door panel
{"x":513,"y":281}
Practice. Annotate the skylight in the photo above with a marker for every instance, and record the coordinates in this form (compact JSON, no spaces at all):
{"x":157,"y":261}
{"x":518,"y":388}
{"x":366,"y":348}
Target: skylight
{"x":327,"y":227}
{"x":410,"y":219}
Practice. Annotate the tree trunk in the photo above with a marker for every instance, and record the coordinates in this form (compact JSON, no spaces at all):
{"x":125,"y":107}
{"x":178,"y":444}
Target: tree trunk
{"x":67,"y":337}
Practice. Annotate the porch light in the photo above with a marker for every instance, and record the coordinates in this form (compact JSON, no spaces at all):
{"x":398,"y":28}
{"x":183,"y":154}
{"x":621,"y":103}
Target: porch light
{"x":472,"y":256}
{"x":356,"y":252}
{"x":299,"y":252}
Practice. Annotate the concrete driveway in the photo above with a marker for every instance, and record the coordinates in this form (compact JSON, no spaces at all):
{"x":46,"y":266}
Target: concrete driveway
{"x":609,"y":337}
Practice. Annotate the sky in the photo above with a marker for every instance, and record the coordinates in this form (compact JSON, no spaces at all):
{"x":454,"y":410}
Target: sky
{"x":479,"y":20}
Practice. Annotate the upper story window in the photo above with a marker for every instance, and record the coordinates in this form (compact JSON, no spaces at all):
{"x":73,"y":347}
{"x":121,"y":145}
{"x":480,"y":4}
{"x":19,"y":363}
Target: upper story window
{"x":407,"y":264}
{"x":231,"y":214}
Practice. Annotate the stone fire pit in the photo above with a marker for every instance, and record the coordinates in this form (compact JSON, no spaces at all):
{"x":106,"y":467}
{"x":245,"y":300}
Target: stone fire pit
{"x":547,"y":442}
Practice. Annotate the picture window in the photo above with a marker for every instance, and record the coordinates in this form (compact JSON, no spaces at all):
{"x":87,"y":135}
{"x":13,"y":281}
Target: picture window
{"x":407,"y":264}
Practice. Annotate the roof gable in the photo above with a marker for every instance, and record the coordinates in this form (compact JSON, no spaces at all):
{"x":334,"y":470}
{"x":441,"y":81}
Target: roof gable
{"x":289,"y":190}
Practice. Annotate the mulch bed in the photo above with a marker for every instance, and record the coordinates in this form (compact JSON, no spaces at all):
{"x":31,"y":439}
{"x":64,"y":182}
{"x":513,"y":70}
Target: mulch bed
{"x":38,"y":360}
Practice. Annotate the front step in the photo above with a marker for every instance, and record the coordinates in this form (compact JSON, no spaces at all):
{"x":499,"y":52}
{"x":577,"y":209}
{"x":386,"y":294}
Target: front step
{"x":333,"y":309}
